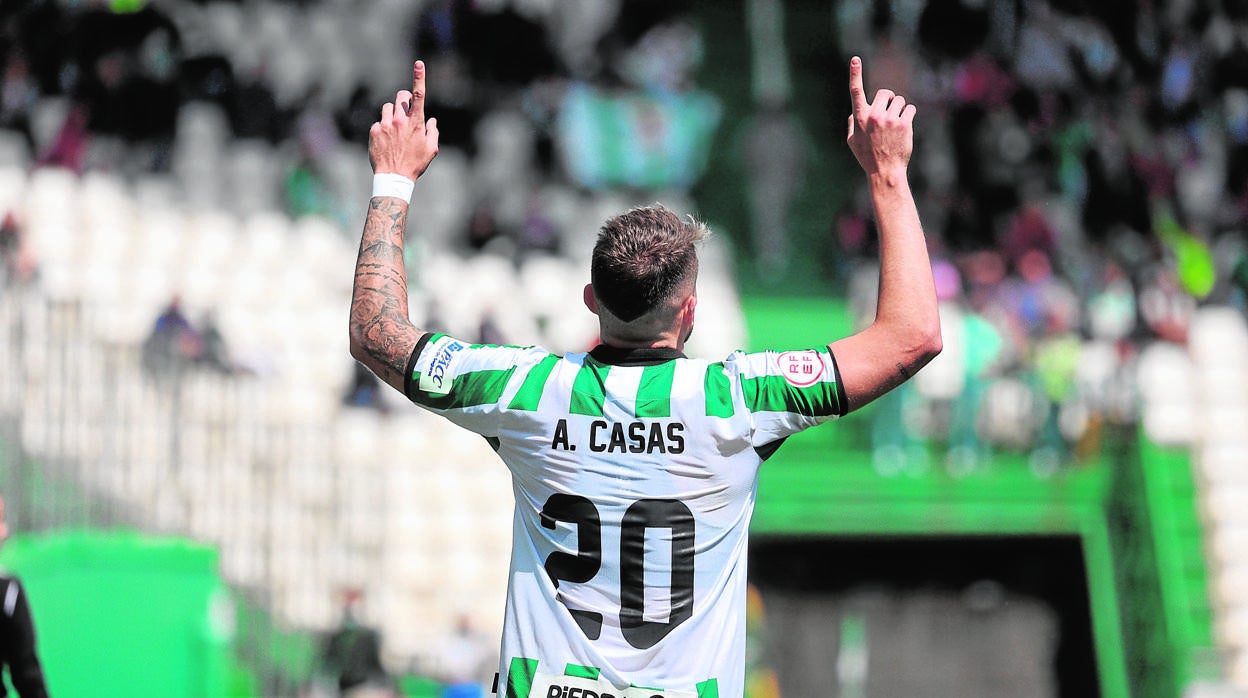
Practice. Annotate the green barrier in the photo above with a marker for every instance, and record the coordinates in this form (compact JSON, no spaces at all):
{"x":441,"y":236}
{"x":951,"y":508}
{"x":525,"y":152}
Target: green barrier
{"x":413,"y":686}
{"x":126,"y":615}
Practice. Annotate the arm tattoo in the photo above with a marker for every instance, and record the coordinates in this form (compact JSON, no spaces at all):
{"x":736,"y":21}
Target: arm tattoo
{"x":902,"y":370}
{"x":380,"y":323}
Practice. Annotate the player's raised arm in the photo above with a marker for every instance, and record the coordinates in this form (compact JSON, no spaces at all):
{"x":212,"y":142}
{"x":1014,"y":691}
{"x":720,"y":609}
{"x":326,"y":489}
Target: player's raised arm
{"x":906,"y":332}
{"x":400,"y":147}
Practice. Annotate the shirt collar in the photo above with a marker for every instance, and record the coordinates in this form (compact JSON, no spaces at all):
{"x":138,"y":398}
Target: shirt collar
{"x":637,"y":356}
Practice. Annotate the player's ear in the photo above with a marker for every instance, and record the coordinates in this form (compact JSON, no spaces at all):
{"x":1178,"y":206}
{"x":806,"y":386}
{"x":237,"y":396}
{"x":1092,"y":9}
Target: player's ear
{"x":690,"y":304}
{"x":590,"y":301}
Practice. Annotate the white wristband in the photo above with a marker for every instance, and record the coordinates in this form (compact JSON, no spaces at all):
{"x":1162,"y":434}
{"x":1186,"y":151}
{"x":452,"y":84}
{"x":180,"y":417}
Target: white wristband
{"x":390,"y":184}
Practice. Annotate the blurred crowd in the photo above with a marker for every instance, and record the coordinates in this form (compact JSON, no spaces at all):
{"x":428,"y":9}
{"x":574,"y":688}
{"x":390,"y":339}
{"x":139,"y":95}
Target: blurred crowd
{"x":104,"y":84}
{"x":531,"y":97}
{"x":1082,"y":171}
{"x":1081,"y":167}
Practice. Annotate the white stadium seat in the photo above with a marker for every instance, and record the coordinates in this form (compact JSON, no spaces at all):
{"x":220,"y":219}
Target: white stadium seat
{"x":14,"y":150}
{"x":1218,"y":334}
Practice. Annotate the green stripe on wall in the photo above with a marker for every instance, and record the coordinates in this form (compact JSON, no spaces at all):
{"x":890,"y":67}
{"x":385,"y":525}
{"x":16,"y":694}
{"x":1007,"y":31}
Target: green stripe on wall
{"x":654,"y":394}
{"x":530,"y":393}
{"x":587,"y":389}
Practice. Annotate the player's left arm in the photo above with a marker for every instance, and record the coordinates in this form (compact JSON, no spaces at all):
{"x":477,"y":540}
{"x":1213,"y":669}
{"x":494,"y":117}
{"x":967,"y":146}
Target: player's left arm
{"x":402,"y":143}
{"x":905,"y":335}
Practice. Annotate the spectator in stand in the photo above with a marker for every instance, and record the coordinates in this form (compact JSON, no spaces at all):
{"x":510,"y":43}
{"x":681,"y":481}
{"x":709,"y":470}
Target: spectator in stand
{"x":538,"y":231}
{"x":214,"y":352}
{"x":483,"y":228}
{"x":18,"y":94}
{"x":1166,"y":309}
{"x":1055,"y":359}
{"x":307,"y":193}
{"x":352,"y":655}
{"x":173,"y":344}
{"x":254,"y":111}
{"x":1239,"y":278}
{"x":40,"y":31}
{"x":365,"y":390}
{"x":356,"y":116}
{"x":69,"y":148}
{"x":488,"y":331}
{"x":127,"y":64}
{"x":10,"y":243}
{"x":16,"y":261}
{"x":958,"y":378}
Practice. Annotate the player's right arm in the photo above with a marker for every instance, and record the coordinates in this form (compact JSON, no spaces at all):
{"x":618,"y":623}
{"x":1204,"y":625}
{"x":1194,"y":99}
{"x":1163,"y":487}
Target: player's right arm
{"x":906,"y":332}
{"x":403,"y":143}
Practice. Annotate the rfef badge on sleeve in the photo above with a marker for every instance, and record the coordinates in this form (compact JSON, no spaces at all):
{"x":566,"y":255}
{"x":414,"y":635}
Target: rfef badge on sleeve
{"x":554,"y":686}
{"x":801,"y":369}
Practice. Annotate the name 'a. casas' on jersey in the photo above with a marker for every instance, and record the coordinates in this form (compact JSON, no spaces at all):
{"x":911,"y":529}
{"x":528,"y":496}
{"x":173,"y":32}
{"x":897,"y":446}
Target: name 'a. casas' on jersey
{"x":602,"y":436}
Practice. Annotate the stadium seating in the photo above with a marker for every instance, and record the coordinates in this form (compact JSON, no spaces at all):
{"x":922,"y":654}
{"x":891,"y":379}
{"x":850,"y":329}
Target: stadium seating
{"x":301,"y":494}
{"x":1218,"y":342}
{"x":14,"y":150}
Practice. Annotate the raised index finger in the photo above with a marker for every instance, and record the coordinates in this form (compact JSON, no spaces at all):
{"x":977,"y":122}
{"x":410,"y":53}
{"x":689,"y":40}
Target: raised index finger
{"x":856,"y":94}
{"x":418,"y":92}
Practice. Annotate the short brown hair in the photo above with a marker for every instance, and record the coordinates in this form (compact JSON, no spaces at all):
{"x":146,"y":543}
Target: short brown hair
{"x":642,"y":257}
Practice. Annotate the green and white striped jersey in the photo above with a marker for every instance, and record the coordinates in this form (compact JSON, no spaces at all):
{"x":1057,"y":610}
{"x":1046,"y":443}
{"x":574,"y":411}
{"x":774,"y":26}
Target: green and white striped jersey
{"x":634,"y":476}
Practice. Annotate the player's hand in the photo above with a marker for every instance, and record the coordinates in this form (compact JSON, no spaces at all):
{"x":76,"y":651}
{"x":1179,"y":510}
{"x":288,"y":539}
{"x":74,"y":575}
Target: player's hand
{"x":881,"y":133}
{"x":403,"y":142}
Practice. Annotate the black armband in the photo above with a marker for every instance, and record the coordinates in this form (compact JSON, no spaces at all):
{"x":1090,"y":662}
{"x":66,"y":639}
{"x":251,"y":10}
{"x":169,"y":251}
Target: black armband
{"x":410,"y":367}
{"x":842,"y":402}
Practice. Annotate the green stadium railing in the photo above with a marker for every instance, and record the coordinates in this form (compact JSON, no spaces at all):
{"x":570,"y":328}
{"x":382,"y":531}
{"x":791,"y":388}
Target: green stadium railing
{"x":1157,"y":534}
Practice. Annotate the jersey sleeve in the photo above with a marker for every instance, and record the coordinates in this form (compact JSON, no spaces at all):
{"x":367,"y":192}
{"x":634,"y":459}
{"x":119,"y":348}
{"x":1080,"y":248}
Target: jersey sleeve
{"x":786,"y":392}
{"x":469,"y":384}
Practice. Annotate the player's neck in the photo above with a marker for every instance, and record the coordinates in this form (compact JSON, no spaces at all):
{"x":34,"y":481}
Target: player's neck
{"x":657,"y":344}
{"x":667,"y":340}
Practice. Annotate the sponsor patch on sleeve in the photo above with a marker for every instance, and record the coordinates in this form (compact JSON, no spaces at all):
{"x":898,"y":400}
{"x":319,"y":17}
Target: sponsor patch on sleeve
{"x":801,"y":369}
{"x":439,"y":374}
